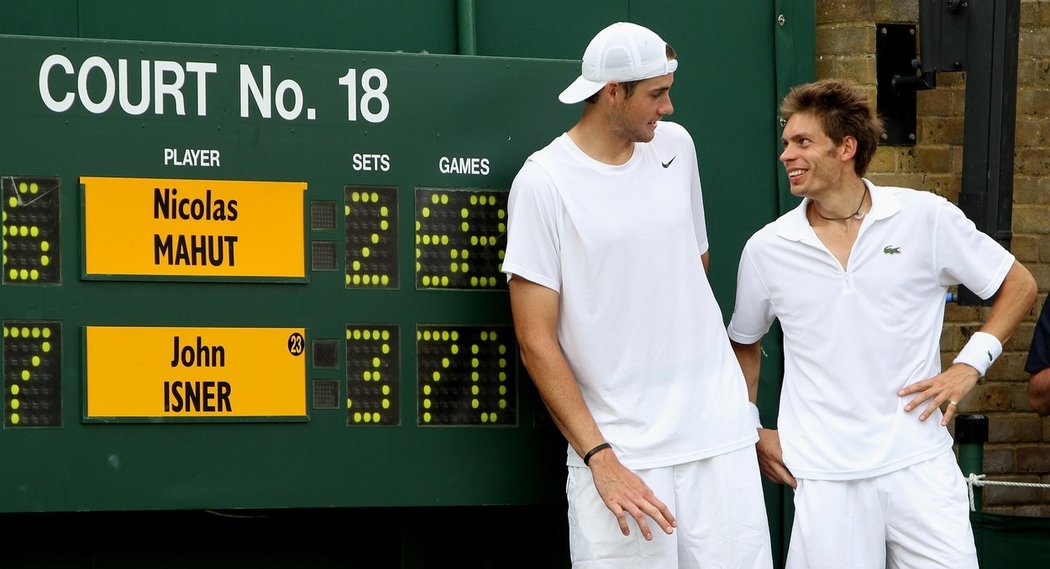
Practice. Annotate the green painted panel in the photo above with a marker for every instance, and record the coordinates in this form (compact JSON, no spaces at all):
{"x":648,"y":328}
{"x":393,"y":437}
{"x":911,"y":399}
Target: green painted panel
{"x":406,"y":126}
{"x":39,"y":18}
{"x":543,"y":28}
{"x":730,"y":80}
{"x":796,"y":62}
{"x":363,"y":25}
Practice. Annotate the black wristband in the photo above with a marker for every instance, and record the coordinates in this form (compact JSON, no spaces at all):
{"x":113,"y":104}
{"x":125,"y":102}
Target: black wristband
{"x":594,"y":451}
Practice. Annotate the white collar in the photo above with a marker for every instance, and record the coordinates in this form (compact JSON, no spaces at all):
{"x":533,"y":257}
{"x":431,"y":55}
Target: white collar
{"x":794,"y":225}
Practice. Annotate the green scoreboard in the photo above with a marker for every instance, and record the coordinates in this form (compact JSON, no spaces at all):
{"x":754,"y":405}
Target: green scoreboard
{"x":265,"y":278}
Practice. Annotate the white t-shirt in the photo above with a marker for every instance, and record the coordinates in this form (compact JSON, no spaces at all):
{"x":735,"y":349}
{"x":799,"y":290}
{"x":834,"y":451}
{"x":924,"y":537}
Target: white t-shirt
{"x":638,"y":322}
{"x":853,"y":338}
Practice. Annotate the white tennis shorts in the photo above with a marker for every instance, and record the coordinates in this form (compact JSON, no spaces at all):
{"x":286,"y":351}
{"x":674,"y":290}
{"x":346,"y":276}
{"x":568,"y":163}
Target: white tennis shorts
{"x":916,"y":518}
{"x":717,"y":502}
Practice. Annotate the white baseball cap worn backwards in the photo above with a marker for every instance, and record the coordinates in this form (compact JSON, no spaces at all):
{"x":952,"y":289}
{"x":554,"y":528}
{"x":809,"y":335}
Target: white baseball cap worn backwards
{"x":621,"y":52}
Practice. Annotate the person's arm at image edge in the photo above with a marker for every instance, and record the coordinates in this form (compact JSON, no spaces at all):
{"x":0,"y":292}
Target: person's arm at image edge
{"x":1039,"y":391}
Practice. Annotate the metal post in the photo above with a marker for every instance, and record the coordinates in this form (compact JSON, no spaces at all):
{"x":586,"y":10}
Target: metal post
{"x":971,"y":432}
{"x":466,"y":27}
{"x":991,"y":101}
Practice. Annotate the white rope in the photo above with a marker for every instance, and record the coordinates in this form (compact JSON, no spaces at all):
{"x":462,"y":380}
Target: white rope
{"x":978,"y":480}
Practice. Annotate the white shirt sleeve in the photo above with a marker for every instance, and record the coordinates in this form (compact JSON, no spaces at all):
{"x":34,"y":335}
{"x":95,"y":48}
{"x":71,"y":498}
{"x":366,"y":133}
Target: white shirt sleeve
{"x":967,"y":256}
{"x":698,"y":206}
{"x":533,"y":246}
{"x":753,"y":313}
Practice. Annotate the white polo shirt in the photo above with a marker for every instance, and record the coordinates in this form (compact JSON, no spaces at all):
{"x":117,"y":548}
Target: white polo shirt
{"x":638,"y":322}
{"x":853,"y":338}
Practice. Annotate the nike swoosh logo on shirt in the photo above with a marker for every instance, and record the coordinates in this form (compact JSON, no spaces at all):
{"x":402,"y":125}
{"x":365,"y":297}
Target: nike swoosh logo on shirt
{"x":668,"y":163}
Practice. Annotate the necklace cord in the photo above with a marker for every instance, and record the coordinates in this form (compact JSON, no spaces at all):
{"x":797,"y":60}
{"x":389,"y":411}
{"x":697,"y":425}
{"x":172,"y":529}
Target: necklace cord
{"x":856,"y":212}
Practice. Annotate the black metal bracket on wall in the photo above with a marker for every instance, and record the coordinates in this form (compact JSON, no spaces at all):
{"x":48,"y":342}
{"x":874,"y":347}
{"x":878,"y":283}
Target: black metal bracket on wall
{"x":979,"y":37}
{"x":895,"y":66}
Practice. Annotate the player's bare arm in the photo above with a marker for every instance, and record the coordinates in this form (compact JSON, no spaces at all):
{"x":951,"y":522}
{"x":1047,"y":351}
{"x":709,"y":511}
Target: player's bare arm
{"x":770,"y":454}
{"x":1015,"y":299}
{"x":535,"y":314}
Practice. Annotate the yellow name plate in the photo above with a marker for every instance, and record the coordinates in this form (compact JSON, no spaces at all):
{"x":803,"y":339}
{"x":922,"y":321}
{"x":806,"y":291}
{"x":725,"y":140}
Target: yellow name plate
{"x":193,"y":228}
{"x":199,"y":373}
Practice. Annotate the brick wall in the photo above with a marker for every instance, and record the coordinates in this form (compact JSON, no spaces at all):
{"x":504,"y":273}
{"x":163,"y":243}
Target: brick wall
{"x":1019,"y":447}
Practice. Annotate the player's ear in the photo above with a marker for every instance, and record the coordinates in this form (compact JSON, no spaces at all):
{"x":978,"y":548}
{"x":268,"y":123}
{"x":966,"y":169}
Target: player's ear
{"x":848,"y":148}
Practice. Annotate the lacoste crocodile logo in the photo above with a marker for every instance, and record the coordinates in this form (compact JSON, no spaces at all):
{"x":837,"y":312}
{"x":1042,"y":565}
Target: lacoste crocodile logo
{"x":668,"y":163}
{"x":891,"y":250}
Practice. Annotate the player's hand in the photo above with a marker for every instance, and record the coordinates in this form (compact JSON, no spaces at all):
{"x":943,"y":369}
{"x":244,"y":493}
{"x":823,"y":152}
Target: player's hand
{"x":771,"y":458}
{"x":626,"y":494}
{"x":951,"y":385}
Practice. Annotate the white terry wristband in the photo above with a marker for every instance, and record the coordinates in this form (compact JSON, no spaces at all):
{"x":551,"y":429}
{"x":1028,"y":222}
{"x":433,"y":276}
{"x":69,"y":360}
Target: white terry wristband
{"x":980,"y":352}
{"x":754,"y":415}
